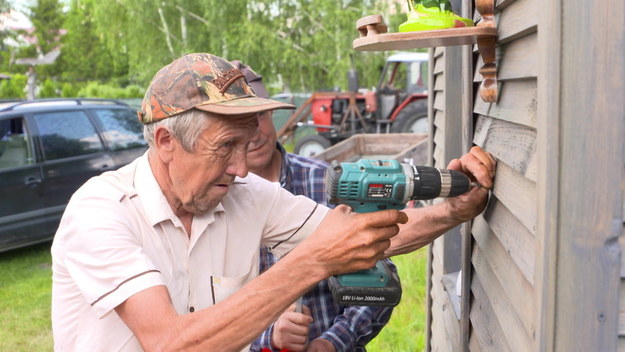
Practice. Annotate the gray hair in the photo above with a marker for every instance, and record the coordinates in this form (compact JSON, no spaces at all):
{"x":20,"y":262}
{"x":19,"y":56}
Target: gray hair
{"x":185,"y":127}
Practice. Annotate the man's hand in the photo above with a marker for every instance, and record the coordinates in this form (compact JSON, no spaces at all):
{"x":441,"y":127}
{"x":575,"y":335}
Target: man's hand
{"x":320,"y":345}
{"x":291,"y":330}
{"x":346,"y":241}
{"x":480,"y":166}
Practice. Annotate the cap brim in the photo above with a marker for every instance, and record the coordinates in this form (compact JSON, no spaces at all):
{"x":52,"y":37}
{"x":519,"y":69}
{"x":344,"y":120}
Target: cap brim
{"x":244,"y":106}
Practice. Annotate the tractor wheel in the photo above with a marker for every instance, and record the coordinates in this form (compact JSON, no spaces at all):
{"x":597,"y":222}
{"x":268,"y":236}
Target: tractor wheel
{"x":311,"y":145}
{"x":412,"y":119}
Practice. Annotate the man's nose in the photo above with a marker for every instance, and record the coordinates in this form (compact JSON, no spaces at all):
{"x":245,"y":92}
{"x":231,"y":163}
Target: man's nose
{"x":237,"y":165}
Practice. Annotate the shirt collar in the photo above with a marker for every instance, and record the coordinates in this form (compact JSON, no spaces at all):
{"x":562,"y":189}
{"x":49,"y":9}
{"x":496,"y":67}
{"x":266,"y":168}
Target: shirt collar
{"x":285,"y":171}
{"x":155,"y":204}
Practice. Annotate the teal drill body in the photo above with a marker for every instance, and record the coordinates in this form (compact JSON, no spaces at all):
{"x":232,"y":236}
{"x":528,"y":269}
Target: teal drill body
{"x":373,"y":185}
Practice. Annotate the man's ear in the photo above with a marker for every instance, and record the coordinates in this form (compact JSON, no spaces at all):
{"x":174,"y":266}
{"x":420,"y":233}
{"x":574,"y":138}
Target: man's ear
{"x":165,"y":144}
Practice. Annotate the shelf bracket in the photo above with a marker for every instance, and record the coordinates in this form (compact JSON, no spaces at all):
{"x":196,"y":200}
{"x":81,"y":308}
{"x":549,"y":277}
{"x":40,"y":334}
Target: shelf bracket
{"x":486,"y":46}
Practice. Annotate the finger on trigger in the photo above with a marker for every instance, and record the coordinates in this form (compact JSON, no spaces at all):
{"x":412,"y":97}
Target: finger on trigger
{"x":385,"y":218}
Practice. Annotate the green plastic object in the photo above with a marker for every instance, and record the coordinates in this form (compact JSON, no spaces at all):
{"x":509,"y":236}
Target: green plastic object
{"x":374,"y":277}
{"x":427,"y":15}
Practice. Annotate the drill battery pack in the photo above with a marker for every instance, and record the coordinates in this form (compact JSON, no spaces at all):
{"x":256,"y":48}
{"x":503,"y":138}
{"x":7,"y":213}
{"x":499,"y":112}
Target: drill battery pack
{"x":378,"y":286}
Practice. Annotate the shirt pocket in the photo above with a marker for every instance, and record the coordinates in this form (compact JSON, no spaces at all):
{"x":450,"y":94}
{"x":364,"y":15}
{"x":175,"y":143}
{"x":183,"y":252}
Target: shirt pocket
{"x":224,"y":286}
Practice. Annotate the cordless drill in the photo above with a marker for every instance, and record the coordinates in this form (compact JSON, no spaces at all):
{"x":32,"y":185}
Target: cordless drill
{"x":372,"y":185}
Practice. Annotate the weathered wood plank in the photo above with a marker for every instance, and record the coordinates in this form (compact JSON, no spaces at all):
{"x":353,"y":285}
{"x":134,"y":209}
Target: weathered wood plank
{"x":474,"y":343}
{"x":621,"y":311}
{"x":518,"y":60}
{"x":439,"y":101}
{"x":518,"y":241}
{"x":517,"y":103}
{"x":514,"y":332}
{"x":439,"y":51}
{"x":439,"y":82}
{"x":438,"y":157}
{"x":487,"y":329}
{"x":580,"y":213}
{"x":447,"y":336}
{"x":497,"y":270}
{"x":439,"y":139}
{"x":439,"y":119}
{"x":518,"y":194}
{"x":510,"y":143}
{"x":439,"y":65}
{"x":517,"y":20}
{"x":621,"y":344}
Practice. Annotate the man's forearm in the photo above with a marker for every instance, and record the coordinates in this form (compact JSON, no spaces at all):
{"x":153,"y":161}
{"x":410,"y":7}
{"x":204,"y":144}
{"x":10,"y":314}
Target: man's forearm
{"x":229,"y":325}
{"x":424,"y":226}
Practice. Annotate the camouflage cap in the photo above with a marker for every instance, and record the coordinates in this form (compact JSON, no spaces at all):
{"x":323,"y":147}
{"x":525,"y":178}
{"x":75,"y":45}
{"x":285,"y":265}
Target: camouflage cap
{"x":205,"y":82}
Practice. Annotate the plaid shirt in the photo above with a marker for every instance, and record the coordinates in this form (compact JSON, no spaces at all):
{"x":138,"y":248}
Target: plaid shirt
{"x":349,"y":328}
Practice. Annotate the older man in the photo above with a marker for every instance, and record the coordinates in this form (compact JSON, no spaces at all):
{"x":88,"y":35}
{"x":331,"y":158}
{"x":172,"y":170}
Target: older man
{"x":162,"y":254}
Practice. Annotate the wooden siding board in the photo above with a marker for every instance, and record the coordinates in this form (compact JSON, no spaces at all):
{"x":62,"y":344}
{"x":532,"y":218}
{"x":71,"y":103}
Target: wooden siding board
{"x":439,"y":101}
{"x":498,"y":270}
{"x":474,"y":343}
{"x":510,"y":143}
{"x":439,"y":83}
{"x":621,"y":313}
{"x":488,"y":331}
{"x":517,"y":193}
{"x":518,"y":60}
{"x":517,"y":103}
{"x":439,"y":65}
{"x":513,"y":330}
{"x":445,"y":332}
{"x":517,"y":20}
{"x":517,"y":240}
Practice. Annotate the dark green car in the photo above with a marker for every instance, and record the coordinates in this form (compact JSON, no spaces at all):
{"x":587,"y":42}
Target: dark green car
{"x":49,"y":148}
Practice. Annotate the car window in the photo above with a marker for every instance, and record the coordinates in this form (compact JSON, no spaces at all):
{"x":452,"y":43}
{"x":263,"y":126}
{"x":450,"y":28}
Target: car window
{"x":15,"y":149}
{"x":68,"y":133}
{"x":121,"y":128}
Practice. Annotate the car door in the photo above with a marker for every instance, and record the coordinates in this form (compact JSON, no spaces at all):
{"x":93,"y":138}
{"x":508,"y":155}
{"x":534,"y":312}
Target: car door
{"x":72,"y":152}
{"x":21,"y":204}
{"x":122,"y":133}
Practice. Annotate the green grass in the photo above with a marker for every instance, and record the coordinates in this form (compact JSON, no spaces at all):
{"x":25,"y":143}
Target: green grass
{"x":25,"y":291}
{"x":405,"y":332}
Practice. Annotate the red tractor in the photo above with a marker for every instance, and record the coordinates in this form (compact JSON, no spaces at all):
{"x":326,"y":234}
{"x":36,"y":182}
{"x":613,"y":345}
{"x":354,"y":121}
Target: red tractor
{"x":398,"y":104}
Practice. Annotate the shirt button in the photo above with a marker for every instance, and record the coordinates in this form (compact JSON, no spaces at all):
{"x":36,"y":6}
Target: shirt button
{"x":191,"y":309}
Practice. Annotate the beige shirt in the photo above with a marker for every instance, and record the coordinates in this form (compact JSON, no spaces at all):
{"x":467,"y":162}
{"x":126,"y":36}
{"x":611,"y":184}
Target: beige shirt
{"x":119,"y":236}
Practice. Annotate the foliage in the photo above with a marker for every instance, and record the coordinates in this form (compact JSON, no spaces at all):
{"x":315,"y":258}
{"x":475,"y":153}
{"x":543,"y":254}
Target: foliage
{"x":84,"y":57}
{"x":13,"y":88}
{"x":297,"y":45}
{"x":47,"y":18}
{"x":48,"y":89}
{"x":97,"y":90}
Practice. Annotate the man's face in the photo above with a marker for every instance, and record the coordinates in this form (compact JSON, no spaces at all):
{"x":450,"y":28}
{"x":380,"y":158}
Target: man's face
{"x":263,"y":143}
{"x":202,"y":178}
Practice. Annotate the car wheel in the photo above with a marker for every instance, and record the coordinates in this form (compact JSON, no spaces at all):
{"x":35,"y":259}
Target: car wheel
{"x":412,"y":119}
{"x":311,"y":145}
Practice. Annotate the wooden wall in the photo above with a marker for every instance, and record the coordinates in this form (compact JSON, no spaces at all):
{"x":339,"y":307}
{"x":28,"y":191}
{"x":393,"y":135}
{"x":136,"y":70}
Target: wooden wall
{"x":542,"y":265}
{"x":503,"y":309}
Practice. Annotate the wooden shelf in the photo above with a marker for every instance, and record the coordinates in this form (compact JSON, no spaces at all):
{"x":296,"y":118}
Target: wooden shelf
{"x":373,"y":37}
{"x":424,"y":39}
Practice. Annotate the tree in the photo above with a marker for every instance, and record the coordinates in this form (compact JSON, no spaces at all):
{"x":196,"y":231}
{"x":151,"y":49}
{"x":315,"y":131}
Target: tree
{"x":84,"y":57}
{"x":306,"y":43}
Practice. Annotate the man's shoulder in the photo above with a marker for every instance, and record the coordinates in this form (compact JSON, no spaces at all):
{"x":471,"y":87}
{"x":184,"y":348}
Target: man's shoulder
{"x":112,"y":185}
{"x":307,"y":162}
